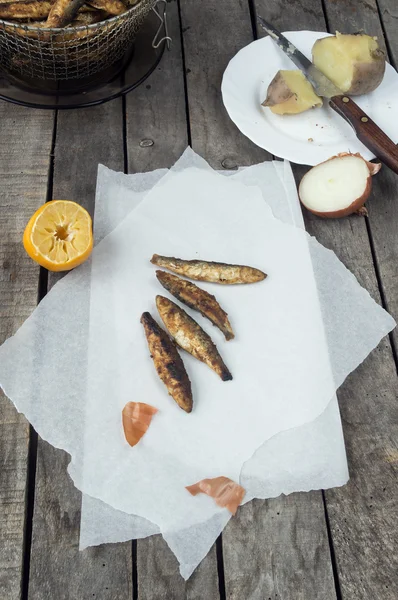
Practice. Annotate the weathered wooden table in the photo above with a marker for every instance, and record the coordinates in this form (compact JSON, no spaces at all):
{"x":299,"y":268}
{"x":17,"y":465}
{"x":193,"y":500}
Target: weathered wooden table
{"x":341,"y":543}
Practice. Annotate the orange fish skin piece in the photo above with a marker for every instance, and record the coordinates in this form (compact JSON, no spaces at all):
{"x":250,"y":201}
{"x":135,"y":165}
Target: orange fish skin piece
{"x":197,"y":299}
{"x":226,"y":492}
{"x":137,"y":417}
{"x":214,"y":272}
{"x":168,"y":363}
{"x":189,"y":335}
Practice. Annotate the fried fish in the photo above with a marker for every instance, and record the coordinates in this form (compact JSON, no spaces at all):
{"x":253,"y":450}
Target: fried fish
{"x":63,"y":12}
{"x":88,"y":18}
{"x":34,"y":9}
{"x":214,"y":272}
{"x":113,"y":7}
{"x":190,"y":336}
{"x":168,"y":363}
{"x":197,"y":299}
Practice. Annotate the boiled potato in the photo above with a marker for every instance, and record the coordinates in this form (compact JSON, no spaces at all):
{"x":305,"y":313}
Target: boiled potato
{"x":354,"y":63}
{"x":289,"y":93}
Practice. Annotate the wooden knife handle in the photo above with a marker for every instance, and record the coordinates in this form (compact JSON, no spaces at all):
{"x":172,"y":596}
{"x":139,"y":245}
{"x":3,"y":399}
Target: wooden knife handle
{"x":367,"y":131}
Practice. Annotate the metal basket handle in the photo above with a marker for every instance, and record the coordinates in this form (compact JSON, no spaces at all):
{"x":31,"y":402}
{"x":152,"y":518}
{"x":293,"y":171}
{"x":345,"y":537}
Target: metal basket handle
{"x":163,"y":24}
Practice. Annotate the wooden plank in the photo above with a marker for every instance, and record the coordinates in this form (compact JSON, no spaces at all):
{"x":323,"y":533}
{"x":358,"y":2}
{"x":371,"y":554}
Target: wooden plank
{"x":159,"y":578}
{"x":382,"y":205}
{"x":383,"y":209}
{"x":261,"y":548}
{"x":363,"y":516}
{"x":274,"y":549}
{"x":389,"y":19}
{"x":58,"y":569}
{"x":24,"y":158}
{"x":156,"y":112}
{"x":352,"y":16}
{"x":208,"y":50}
{"x":383,"y":220}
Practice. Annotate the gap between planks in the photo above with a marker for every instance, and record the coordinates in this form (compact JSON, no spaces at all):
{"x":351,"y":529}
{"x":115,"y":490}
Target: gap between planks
{"x":379,"y":280}
{"x":33,"y":436}
{"x":126,"y":162}
{"x":253,"y":16}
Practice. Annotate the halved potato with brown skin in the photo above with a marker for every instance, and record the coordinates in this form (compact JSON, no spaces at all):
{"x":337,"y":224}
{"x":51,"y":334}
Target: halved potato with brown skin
{"x":354,"y":62}
{"x":290,"y":93}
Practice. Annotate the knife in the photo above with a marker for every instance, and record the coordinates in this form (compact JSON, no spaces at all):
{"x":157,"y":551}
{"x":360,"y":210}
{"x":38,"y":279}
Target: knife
{"x":366,"y":130}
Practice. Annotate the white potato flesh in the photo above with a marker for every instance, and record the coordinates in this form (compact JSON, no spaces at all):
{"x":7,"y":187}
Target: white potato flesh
{"x":291,"y":93}
{"x":354,"y":63}
{"x":335,"y":184}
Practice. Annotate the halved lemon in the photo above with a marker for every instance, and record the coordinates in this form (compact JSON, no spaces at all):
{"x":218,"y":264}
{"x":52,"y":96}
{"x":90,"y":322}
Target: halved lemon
{"x":59,"y":235}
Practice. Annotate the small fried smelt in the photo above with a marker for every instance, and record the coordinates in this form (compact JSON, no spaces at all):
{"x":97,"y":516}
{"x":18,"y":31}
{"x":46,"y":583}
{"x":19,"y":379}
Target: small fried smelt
{"x":86,"y":9}
{"x":168,"y":363}
{"x":113,"y":7}
{"x":35,"y":9}
{"x":88,"y":18}
{"x":137,"y":417}
{"x":214,"y":272}
{"x":190,"y":336}
{"x":22,"y":30}
{"x":63,"y":12}
{"x":225,"y":492}
{"x":197,"y":299}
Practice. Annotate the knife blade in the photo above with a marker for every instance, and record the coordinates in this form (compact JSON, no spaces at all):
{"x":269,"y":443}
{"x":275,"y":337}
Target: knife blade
{"x":366,"y":130}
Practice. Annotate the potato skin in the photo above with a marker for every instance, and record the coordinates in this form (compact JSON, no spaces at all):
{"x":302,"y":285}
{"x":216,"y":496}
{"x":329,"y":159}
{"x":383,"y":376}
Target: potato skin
{"x":289,"y":93}
{"x":278,"y":91}
{"x":367,"y":76}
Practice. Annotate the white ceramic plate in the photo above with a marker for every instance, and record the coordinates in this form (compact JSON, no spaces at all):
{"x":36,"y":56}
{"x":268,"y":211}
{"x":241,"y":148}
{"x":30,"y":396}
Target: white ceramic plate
{"x":314,"y":135}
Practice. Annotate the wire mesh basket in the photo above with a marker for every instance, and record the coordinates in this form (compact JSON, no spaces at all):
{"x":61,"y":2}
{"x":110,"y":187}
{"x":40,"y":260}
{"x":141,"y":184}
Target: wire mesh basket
{"x":70,"y":53}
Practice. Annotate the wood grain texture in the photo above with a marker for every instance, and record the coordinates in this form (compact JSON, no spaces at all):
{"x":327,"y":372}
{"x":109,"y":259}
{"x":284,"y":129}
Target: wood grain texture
{"x":351,"y":16}
{"x":24,"y":159}
{"x":159,"y":577}
{"x":383,"y":208}
{"x":383,"y":219}
{"x":156,"y":111}
{"x":58,"y":569}
{"x":211,"y":39}
{"x":306,"y":14}
{"x":363,"y":514}
{"x":363,"y":517}
{"x":266,"y":554}
{"x":274,"y":549}
{"x":389,"y":19}
{"x":353,"y":534}
{"x":261,"y":553}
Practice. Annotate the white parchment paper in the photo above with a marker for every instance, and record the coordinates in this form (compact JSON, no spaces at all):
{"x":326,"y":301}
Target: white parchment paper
{"x":308,"y":457}
{"x":72,"y":370}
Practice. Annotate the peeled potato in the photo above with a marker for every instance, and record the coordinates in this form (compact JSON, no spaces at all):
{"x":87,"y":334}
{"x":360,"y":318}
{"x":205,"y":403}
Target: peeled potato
{"x":289,"y":93}
{"x":354,"y":63}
